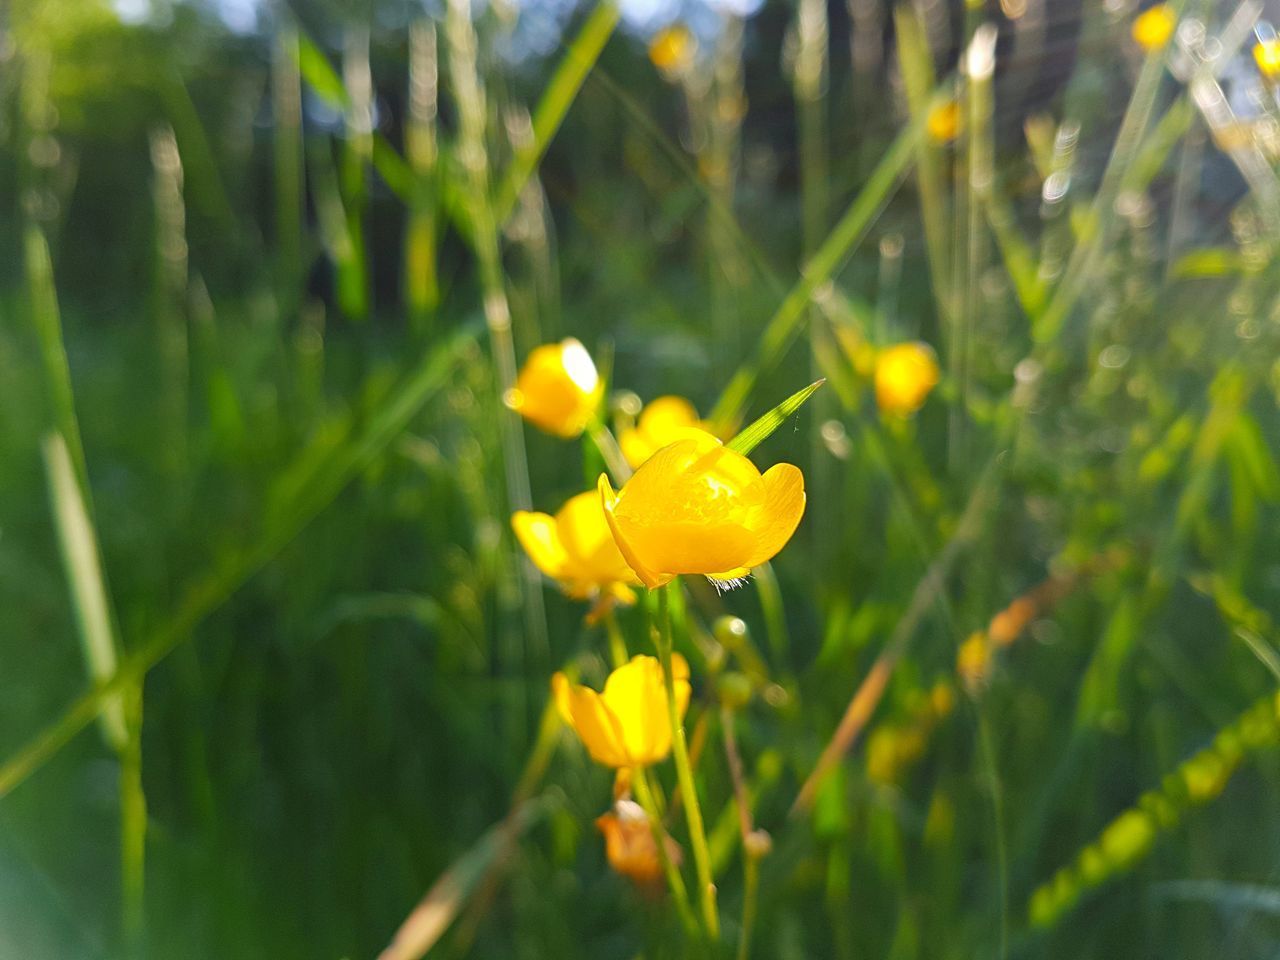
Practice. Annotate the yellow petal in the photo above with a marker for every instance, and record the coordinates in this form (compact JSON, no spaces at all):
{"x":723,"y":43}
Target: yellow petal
{"x":596,"y":727}
{"x":608,"y":499}
{"x":1153,"y":28}
{"x":666,"y":414}
{"x":635,"y":695}
{"x":904,"y":376}
{"x":686,"y":510}
{"x":558,"y":388}
{"x":584,"y":532}
{"x":538,"y":534}
{"x":635,"y":446}
{"x":778,"y":518}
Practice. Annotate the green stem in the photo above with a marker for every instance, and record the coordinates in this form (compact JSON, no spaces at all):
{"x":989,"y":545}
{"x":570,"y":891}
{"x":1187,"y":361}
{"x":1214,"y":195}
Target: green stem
{"x":133,"y":825}
{"x":617,"y":644}
{"x":751,"y":885}
{"x":684,"y":774}
{"x":606,"y":443}
{"x":644,"y":795}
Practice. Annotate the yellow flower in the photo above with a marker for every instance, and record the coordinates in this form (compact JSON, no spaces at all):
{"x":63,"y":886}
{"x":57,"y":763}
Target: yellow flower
{"x":663,"y":421}
{"x":1153,"y":28}
{"x":672,"y":49}
{"x":630,"y":847}
{"x":1267,"y":56}
{"x":973,"y":660}
{"x":905,"y":374}
{"x":696,"y":506}
{"x":576,"y":548}
{"x":627,"y":725}
{"x":943,"y":123}
{"x":558,"y":388}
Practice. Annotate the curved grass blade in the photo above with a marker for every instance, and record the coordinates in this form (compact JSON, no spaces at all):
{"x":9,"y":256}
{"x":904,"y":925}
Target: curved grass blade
{"x":750,"y":438}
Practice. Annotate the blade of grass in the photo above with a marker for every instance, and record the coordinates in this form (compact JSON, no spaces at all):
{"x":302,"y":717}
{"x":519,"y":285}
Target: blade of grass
{"x":932,"y":585}
{"x":1101,"y":215}
{"x":286,"y":157}
{"x":422,"y":291}
{"x":82,"y":563}
{"x":785,"y":324}
{"x":919,"y":80}
{"x":750,"y":438}
{"x":579,"y":57}
{"x":208,"y":593}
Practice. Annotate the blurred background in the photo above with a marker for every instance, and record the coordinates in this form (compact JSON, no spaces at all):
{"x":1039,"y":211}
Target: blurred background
{"x":271,"y":662}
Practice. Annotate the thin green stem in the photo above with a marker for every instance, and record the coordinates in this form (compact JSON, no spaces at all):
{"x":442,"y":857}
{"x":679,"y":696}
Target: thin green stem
{"x":684,"y":774}
{"x":750,"y":890}
{"x":607,"y":444}
{"x":644,"y":795}
{"x":133,"y":826}
{"x":617,"y":644}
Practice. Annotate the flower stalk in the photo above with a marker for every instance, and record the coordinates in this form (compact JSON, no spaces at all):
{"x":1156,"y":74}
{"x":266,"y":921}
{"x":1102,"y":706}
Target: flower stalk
{"x":684,"y":775}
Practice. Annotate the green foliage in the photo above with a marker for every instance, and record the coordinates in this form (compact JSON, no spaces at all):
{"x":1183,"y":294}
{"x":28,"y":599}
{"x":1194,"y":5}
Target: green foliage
{"x":258,"y":479}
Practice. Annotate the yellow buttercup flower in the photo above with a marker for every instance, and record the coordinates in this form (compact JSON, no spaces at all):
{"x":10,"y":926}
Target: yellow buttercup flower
{"x":672,"y":49}
{"x":1267,"y":56}
{"x":1153,"y":28}
{"x":904,"y":376}
{"x":696,"y":506}
{"x":576,"y":548}
{"x":663,"y":421}
{"x":558,"y":388}
{"x":627,"y":724}
{"x":943,"y":122}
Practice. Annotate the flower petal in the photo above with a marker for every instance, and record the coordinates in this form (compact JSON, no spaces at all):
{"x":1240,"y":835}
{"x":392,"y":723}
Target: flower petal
{"x":776,"y":520}
{"x":608,"y":499}
{"x":538,"y":535}
{"x":587,"y":539}
{"x":636,"y":695}
{"x":586,"y":712}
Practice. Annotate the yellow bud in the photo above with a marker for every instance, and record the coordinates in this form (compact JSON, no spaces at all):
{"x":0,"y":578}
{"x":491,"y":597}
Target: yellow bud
{"x":1153,"y":28}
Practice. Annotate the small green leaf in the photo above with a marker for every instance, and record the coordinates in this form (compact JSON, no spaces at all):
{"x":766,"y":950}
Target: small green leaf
{"x":750,"y":438}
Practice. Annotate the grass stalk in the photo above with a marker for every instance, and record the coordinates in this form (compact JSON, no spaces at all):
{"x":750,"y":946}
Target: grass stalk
{"x":579,"y":57}
{"x":675,"y":882}
{"x":474,"y":160}
{"x":357,"y":156}
{"x":287,"y":161}
{"x":787,"y":320}
{"x":684,"y":774}
{"x":422,"y":287}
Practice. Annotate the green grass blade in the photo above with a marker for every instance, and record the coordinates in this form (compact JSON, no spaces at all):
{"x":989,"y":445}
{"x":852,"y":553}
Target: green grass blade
{"x":83,"y":565}
{"x":752,"y":436}
{"x":560,"y":94}
{"x":785,"y":324}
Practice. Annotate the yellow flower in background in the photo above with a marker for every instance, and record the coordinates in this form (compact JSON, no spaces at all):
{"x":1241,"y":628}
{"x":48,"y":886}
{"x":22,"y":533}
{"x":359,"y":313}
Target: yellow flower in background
{"x":627,"y":724}
{"x":698,"y":507}
{"x":1153,"y":28}
{"x":904,"y":376}
{"x":576,"y":548}
{"x":558,"y":388}
{"x":1267,"y":56}
{"x":665,"y":420}
{"x":943,"y":122}
{"x":629,"y":845}
{"x":672,"y":49}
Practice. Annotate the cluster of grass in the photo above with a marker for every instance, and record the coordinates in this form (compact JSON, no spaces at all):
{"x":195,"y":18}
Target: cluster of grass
{"x":272,"y":667}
